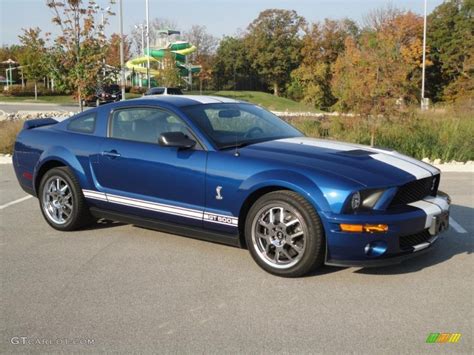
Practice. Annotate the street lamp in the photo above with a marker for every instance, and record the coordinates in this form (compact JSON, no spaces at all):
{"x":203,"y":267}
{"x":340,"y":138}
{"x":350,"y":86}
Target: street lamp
{"x":122,"y":64}
{"x":102,"y":22}
{"x":424,"y":102}
{"x":141,"y":27}
{"x":147,"y":43}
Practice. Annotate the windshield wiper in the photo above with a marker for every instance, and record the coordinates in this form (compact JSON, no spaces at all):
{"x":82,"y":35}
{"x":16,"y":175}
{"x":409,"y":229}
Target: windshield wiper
{"x":235,"y":146}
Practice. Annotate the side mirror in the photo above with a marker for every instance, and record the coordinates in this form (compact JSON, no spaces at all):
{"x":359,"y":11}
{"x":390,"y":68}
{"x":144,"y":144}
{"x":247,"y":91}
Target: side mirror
{"x":176,"y":139}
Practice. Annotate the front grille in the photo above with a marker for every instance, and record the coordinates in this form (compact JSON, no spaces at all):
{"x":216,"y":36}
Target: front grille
{"x":416,"y":190}
{"x":409,"y":241}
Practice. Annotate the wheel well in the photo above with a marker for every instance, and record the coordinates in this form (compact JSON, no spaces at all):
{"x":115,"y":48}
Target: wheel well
{"x":44,"y":168}
{"x":254,"y":196}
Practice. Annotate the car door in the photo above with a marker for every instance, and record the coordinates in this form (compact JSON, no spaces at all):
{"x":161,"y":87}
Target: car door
{"x":141,"y":177}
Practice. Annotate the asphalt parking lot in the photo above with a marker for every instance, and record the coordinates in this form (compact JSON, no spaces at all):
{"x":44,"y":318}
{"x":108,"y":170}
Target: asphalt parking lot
{"x":122,"y":288}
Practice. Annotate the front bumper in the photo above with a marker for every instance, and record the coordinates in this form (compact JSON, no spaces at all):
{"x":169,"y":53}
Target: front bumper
{"x":413,"y":230}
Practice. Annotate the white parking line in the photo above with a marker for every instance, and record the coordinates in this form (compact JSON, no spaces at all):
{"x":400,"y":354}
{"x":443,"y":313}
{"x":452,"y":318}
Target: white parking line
{"x":457,"y":227}
{"x":15,"y":202}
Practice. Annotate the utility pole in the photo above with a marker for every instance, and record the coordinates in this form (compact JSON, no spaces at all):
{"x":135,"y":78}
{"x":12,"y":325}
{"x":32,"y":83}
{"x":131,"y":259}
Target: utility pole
{"x":147,"y":43}
{"x":122,"y":64}
{"x":424,"y":103}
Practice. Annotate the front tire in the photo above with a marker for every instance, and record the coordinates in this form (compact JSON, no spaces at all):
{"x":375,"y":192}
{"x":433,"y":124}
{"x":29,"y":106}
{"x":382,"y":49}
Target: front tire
{"x":61,"y":200}
{"x":284,"y":234}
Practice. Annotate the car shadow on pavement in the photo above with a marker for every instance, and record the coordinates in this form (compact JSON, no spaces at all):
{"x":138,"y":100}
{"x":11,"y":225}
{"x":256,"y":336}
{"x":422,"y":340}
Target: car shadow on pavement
{"x":103,"y":224}
{"x":448,"y":246}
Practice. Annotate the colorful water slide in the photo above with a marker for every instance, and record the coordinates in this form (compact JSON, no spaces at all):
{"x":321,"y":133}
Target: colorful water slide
{"x":179,"y":49}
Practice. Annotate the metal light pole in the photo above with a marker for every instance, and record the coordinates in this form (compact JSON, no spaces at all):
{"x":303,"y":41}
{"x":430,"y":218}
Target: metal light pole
{"x":424,"y":104}
{"x":141,"y":27}
{"x":102,"y":21}
{"x":147,"y":43}
{"x":122,"y":64}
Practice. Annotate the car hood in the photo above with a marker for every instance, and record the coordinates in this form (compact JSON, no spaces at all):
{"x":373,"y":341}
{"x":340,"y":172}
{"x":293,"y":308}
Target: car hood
{"x":368,"y":166}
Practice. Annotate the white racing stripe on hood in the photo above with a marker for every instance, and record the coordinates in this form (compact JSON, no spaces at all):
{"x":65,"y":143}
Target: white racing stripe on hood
{"x":420,"y":163}
{"x":395,"y":159}
{"x":401,"y":164}
{"x":320,"y":143}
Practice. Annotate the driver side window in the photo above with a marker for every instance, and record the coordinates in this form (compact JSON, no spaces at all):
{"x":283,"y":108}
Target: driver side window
{"x":144,"y":124}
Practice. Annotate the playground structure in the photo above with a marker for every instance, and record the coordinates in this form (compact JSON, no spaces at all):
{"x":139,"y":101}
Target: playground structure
{"x":180,"y":50}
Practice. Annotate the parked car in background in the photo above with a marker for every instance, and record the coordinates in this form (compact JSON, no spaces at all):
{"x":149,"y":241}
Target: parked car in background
{"x":232,"y":172}
{"x":163,"y":91}
{"x":104,"y":94}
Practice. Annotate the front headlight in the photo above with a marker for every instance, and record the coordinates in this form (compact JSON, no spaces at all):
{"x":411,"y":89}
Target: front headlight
{"x":363,"y":200}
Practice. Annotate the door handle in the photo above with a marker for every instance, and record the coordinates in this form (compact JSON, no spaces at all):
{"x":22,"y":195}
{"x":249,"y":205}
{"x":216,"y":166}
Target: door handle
{"x":111,"y":154}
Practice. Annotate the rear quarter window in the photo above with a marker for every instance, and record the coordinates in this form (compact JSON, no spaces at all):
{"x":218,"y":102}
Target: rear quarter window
{"x":82,"y":124}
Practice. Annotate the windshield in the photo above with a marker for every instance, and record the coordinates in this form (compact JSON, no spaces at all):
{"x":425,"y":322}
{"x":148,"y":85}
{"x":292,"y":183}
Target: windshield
{"x":174,"y":91}
{"x":234,"y":125}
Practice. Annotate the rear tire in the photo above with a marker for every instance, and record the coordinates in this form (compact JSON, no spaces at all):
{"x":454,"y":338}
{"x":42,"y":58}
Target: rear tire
{"x":284,"y":234}
{"x":61,"y":200}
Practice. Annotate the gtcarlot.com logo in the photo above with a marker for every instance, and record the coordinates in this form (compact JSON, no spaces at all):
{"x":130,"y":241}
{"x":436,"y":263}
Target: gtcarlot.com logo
{"x":23,"y":340}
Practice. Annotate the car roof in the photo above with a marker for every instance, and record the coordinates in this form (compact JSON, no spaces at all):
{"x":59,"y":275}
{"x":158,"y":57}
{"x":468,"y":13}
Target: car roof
{"x":185,"y":100}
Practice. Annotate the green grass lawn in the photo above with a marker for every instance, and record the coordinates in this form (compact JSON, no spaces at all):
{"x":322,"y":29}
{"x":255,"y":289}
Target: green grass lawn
{"x":264,"y":99}
{"x":59,"y":99}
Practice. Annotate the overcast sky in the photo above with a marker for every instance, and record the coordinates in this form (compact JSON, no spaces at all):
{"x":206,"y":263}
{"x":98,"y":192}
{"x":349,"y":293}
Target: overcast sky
{"x":221,"y":17}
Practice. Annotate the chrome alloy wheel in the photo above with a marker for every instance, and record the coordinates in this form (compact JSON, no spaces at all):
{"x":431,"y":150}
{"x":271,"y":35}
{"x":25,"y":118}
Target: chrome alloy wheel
{"x":278,"y":235}
{"x":57,"y":200}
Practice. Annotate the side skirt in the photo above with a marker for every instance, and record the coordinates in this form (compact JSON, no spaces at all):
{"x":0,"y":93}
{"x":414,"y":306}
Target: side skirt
{"x":186,"y":231}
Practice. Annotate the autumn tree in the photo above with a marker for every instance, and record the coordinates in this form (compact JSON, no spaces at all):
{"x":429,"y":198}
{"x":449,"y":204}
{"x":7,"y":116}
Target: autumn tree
{"x":273,"y":43}
{"x":205,"y":48}
{"x":322,"y":44}
{"x":451,"y":38}
{"x":32,"y":57}
{"x":382,"y":68}
{"x":80,"y":49}
{"x":170,"y":75}
{"x":112,"y":55}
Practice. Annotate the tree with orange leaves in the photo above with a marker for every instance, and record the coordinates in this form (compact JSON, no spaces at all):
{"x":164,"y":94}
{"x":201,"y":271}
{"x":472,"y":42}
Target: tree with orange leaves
{"x":382,"y":69}
{"x":79,"y":51}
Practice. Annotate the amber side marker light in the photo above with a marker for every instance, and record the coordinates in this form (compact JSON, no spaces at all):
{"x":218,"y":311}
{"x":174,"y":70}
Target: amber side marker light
{"x":359,"y":228}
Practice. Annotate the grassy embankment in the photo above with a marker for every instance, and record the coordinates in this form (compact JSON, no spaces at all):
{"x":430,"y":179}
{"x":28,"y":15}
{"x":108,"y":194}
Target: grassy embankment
{"x":445,"y":134}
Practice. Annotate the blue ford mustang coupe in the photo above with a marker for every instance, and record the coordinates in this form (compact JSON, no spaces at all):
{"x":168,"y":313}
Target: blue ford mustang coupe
{"x":232,"y":172}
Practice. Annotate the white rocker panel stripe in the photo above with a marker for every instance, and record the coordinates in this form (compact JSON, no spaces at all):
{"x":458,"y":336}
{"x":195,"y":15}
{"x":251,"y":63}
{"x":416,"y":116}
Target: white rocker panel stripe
{"x":154,"y":207}
{"x":162,"y":208}
{"x":94,"y":195}
{"x":221,"y":219}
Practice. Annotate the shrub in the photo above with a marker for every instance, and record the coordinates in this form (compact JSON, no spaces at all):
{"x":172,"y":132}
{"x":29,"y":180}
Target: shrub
{"x":29,"y":90}
{"x":432,"y":134}
{"x":8,"y":132}
{"x":137,"y":90}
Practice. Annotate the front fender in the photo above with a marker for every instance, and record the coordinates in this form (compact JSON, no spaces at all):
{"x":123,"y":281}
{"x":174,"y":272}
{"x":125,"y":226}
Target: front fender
{"x":289,"y":180}
{"x":65,"y":157}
